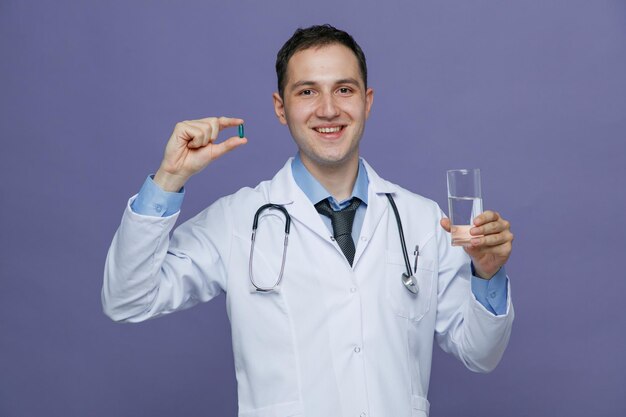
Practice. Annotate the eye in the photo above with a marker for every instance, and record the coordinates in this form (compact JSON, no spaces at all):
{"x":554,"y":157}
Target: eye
{"x":345,"y":90}
{"x":306,"y":92}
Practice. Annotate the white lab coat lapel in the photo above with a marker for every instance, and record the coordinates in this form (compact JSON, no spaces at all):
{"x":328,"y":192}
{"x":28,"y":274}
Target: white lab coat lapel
{"x":377,"y":206}
{"x":285,"y":191}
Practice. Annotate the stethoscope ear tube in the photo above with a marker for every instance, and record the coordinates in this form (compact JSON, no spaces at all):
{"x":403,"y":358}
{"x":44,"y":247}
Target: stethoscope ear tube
{"x":408,"y":279}
{"x":255,"y":222}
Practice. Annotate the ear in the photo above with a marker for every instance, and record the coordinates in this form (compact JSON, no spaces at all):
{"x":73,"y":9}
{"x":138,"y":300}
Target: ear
{"x":279,"y":108}
{"x":369,"y":100}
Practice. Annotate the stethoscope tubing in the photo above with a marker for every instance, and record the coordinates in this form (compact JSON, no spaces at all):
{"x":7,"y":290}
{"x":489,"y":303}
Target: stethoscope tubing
{"x":255,"y":225}
{"x":408,"y":279}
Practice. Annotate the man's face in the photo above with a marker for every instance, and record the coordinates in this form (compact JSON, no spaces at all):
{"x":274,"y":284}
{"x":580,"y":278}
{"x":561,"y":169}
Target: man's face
{"x":325,"y":104}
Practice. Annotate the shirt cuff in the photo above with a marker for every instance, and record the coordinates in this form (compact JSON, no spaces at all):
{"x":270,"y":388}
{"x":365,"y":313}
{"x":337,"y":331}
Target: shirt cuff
{"x":152,"y":200}
{"x":491,"y":293}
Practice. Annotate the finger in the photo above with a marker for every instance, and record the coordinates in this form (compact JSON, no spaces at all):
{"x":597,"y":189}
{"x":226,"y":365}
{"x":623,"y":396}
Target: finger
{"x":193,"y":135}
{"x":214,"y":129}
{"x":219,"y":123}
{"x":205,"y":128}
{"x":229,"y":122}
{"x":445,"y":223}
{"x":228,"y":145}
{"x":223,"y":122}
{"x":492,"y":240}
{"x":491,"y":228}
{"x":486,"y":217}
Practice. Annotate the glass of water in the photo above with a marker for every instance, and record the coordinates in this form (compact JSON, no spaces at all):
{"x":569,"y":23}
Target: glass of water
{"x":464,"y":203}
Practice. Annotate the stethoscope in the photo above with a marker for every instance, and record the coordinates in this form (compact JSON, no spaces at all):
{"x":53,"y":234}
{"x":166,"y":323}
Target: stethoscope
{"x":408,"y":279}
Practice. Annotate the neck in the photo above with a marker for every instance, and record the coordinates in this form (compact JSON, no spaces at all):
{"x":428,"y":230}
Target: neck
{"x":338,"y":179}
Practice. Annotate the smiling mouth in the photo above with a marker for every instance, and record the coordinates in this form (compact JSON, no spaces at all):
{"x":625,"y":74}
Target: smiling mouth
{"x":333,"y":129}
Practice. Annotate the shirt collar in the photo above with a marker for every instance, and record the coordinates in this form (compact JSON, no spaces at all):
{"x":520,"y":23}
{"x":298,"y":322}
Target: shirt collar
{"x":316,"y":191}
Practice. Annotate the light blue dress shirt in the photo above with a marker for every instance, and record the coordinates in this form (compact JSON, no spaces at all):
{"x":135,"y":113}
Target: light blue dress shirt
{"x":316,"y":193}
{"x":153,"y":201}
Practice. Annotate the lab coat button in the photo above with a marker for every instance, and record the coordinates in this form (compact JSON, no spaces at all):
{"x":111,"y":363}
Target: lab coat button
{"x":364,"y":238}
{"x":363,"y":414}
{"x":357,"y":349}
{"x":353,"y":289}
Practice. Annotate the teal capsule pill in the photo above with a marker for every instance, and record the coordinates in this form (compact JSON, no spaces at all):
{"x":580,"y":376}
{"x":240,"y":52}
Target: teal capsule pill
{"x":241,"y":131}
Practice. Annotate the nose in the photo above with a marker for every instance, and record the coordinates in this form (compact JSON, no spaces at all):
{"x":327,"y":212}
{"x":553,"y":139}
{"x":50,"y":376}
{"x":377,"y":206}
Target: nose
{"x":328,"y":108}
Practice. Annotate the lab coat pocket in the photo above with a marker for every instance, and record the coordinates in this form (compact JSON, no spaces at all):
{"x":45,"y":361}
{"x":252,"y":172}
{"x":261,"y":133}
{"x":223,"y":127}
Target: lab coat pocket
{"x":292,"y":409}
{"x":404,"y":303}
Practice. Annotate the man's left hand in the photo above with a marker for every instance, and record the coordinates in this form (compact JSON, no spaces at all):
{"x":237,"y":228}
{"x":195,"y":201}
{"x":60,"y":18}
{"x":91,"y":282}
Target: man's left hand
{"x":492,"y":244}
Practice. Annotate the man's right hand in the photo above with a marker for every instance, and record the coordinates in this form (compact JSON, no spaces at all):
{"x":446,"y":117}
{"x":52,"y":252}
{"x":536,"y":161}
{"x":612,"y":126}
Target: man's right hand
{"x":192,"y":147}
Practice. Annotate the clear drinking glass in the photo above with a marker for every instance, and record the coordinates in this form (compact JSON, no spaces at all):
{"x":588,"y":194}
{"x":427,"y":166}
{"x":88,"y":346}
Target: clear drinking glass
{"x":464,"y":203}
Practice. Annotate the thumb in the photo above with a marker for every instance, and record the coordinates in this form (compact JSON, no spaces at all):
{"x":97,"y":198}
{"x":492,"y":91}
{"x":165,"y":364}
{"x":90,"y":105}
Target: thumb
{"x":228,"y":145}
{"x":445,"y":223}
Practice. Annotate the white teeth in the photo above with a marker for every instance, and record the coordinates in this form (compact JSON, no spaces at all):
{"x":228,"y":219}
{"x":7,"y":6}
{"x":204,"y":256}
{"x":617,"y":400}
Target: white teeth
{"x":328,"y":129}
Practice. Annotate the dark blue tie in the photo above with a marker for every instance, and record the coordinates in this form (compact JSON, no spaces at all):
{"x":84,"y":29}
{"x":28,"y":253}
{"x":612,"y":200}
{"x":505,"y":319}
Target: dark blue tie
{"x":342,"y":225}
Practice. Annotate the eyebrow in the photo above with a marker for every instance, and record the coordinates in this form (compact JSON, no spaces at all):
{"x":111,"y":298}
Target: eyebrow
{"x":302,"y":84}
{"x":306,"y":83}
{"x":349,"y":81}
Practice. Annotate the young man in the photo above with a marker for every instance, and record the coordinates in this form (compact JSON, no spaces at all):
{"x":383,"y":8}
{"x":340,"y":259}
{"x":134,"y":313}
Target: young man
{"x":335,"y":332}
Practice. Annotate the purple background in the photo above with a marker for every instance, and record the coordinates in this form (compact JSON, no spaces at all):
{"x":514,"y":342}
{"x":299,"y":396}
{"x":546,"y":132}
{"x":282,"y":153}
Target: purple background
{"x":533,"y":93}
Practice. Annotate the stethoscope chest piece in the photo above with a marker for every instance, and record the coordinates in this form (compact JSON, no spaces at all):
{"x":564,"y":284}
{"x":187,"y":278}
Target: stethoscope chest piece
{"x":410,"y":282}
